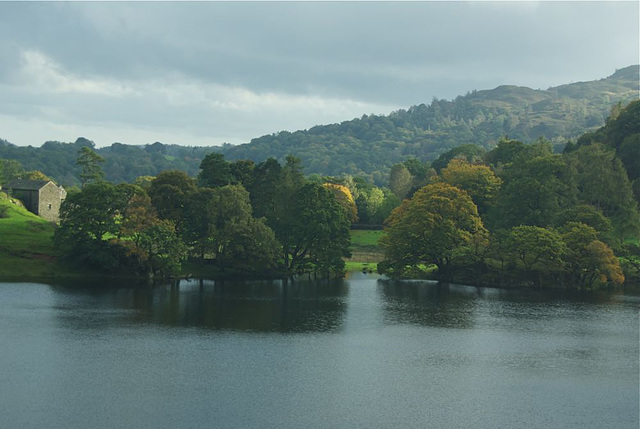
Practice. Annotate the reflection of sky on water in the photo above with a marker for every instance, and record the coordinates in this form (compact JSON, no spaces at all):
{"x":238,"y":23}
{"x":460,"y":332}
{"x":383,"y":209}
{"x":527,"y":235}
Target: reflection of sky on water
{"x":352,"y":353}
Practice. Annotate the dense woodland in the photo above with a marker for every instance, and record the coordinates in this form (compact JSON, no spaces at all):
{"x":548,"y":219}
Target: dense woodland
{"x":369,"y":146}
{"x":238,"y":218}
{"x":521,"y":215}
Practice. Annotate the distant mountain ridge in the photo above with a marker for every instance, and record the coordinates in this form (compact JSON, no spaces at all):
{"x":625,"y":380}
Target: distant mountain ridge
{"x":374,"y":143}
{"x":370,"y":145}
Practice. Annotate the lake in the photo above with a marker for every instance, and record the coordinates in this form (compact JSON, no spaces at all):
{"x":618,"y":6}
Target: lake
{"x":358,"y":352}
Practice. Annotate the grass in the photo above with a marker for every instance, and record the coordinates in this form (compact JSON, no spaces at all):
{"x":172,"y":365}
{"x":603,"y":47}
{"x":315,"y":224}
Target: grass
{"x":365,"y":238}
{"x":365,"y":252}
{"x":26,"y":246}
{"x":351,"y":266}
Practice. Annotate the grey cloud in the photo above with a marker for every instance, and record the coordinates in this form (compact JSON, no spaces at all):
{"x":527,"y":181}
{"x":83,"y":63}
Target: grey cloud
{"x":381,"y":55}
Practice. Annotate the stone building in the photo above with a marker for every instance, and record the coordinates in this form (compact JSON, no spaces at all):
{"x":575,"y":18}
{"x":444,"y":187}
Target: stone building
{"x":41,"y":197}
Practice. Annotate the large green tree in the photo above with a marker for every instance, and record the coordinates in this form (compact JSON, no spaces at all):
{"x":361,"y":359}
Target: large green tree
{"x":602,"y":182}
{"x":114,"y":228}
{"x":170,"y":192}
{"x":478,"y":180}
{"x":220,"y":227}
{"x":534,"y":191}
{"x":433,"y":227}
{"x":587,"y":259}
{"x":214,"y":171}
{"x":536,"y":248}
{"x":317,"y":237}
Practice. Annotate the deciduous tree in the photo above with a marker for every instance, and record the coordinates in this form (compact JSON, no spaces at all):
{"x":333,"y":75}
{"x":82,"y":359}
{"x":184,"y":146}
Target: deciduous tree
{"x":430,"y":228}
{"x":90,"y":166}
{"x":478,"y":180}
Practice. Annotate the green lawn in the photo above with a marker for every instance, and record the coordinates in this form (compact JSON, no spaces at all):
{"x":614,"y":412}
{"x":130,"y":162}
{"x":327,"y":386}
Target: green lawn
{"x":365,"y":252}
{"x":26,"y":247}
{"x":360,"y":238}
{"x":361,"y":266}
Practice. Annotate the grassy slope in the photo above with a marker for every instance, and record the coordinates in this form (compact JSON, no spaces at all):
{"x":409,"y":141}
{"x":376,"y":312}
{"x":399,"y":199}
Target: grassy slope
{"x":26,"y":247}
{"x":365,"y":252}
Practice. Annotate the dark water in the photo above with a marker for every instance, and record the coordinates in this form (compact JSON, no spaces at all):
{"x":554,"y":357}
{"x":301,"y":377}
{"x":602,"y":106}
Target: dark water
{"x":346,"y":354}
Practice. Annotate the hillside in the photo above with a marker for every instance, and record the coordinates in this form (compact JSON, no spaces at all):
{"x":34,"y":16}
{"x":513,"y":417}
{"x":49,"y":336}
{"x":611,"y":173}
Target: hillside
{"x":26,"y":242}
{"x":373,"y":143}
{"x":370,"y":145}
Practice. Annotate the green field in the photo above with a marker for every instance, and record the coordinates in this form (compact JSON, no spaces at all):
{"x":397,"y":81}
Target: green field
{"x":365,"y":252}
{"x":365,"y":238}
{"x":26,"y":247}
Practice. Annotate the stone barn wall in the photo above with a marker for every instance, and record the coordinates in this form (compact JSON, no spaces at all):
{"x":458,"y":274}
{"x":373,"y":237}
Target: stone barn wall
{"x":50,"y":199}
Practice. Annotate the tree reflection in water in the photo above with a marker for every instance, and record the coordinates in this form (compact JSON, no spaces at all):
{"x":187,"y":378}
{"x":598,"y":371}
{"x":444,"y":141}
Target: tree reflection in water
{"x":260,"y":306}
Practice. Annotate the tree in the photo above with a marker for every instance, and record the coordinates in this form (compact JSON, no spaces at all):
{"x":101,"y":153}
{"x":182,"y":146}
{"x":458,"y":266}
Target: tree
{"x":400,"y":180}
{"x":505,"y":152}
{"x":230,"y":230}
{"x":629,"y":154}
{"x":242,"y":172}
{"x":539,"y":250}
{"x":388,"y":204}
{"x":472,"y":153}
{"x":602,"y":182}
{"x":264,"y":190}
{"x":36,"y":175}
{"x":90,"y":164}
{"x":343,"y":197}
{"x":589,"y":260}
{"x":160,"y":251}
{"x":317,"y":236}
{"x":417,"y":169}
{"x":478,"y":180}
{"x":170,"y":191}
{"x":533,"y":192}
{"x":220,"y":227}
{"x":10,"y":170}
{"x":91,"y":213}
{"x":588,"y":215}
{"x":603,"y":263}
{"x":87,"y":219}
{"x":275,"y":196}
{"x":433,"y":227}
{"x":369,"y":203}
{"x":114,"y":228}
{"x":214,"y":171}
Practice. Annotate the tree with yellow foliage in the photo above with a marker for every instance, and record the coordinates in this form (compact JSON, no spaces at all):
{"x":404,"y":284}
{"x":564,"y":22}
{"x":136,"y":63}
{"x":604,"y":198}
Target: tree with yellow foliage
{"x":433,"y":227}
{"x":344,"y":197}
{"x":478,"y":180}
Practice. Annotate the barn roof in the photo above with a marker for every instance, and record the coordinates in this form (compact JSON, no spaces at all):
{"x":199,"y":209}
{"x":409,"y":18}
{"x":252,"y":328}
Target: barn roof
{"x":27,"y":185}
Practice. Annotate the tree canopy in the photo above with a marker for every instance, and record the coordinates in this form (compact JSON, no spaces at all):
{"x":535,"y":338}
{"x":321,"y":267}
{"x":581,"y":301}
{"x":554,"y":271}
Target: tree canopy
{"x":430,"y":228}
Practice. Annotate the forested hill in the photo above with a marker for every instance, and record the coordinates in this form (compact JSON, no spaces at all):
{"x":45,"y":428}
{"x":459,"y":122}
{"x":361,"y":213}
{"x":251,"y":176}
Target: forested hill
{"x":372,"y":144}
{"x":123,"y":163}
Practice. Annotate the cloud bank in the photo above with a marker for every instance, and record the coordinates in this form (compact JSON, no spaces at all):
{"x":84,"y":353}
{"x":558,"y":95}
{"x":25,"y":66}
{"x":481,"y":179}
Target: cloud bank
{"x":209,"y":73}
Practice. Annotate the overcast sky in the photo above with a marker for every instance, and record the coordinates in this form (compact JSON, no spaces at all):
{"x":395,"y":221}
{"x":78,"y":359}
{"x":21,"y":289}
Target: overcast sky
{"x":209,"y":73}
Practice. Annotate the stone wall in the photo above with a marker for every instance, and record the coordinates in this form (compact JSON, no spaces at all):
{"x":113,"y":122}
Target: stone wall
{"x":29,"y":198}
{"x":50,"y":199}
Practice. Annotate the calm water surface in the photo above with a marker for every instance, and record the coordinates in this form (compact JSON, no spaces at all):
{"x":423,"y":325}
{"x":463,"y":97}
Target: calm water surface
{"x":352,"y":353}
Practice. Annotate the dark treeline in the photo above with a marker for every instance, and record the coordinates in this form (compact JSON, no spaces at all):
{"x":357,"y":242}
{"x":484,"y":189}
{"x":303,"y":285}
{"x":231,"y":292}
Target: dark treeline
{"x":369,"y":146}
{"x":522,"y":215}
{"x":236,"y":218}
{"x":122,"y":163}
